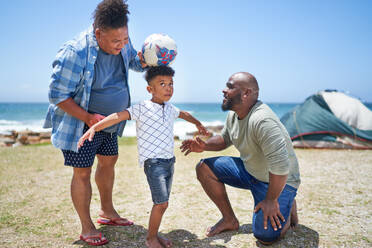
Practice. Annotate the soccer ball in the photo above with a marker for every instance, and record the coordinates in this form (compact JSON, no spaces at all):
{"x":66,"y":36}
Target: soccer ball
{"x":159,"y":49}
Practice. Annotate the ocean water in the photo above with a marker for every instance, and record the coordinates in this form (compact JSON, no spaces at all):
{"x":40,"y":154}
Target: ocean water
{"x":21,"y":116}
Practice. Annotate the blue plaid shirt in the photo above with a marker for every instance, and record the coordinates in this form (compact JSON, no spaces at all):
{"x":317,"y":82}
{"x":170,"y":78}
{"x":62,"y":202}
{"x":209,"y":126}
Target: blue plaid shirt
{"x":72,"y":77}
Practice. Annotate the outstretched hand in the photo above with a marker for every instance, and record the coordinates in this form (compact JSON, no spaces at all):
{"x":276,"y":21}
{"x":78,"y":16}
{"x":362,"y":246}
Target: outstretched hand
{"x":192,"y":145}
{"x":271,"y":211}
{"x":87,"y":135}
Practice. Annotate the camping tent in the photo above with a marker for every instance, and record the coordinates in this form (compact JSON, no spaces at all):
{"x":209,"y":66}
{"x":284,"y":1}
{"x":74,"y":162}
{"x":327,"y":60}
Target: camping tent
{"x":330,"y":119}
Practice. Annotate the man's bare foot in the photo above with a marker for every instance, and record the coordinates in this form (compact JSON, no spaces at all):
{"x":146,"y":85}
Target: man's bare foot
{"x":294,"y":216}
{"x":165,"y":242}
{"x":221,"y":226}
{"x":153,"y":243}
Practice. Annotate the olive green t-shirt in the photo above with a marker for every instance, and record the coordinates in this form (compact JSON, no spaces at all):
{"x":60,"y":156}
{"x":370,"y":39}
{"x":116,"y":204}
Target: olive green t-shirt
{"x":263,"y":143}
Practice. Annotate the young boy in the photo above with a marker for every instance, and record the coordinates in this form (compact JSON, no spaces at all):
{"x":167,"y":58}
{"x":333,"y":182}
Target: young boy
{"x":154,"y":126}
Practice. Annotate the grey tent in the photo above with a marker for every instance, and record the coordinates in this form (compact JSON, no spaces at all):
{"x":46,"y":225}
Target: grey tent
{"x":330,"y":119}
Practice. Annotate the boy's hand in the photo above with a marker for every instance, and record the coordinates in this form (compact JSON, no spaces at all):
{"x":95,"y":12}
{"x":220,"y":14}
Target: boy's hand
{"x":202,"y":130}
{"x":191,"y":145}
{"x":88,"y":135}
{"x":142,"y":59}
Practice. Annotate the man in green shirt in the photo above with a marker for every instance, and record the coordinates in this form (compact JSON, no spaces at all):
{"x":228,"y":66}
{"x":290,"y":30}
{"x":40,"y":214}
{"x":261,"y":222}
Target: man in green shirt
{"x":267,"y":164}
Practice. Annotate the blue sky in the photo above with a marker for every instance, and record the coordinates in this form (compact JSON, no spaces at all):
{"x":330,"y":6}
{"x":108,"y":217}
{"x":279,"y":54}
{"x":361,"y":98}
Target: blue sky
{"x":294,"y":48}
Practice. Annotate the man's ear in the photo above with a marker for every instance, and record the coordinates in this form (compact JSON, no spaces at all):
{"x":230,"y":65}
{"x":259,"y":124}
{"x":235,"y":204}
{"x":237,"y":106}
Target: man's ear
{"x":246,"y":93}
{"x":97,"y":32}
{"x":149,"y":89}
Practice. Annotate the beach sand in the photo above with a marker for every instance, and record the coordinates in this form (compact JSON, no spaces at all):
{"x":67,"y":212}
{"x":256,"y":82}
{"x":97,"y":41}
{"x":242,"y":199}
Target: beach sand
{"x":334,"y":202}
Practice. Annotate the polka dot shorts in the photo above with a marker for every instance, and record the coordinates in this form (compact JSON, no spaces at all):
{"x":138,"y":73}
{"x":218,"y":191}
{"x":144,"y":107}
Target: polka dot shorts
{"x":103,"y":143}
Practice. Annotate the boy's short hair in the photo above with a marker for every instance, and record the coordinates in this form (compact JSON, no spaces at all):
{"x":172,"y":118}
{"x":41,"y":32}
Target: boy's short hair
{"x":111,"y":14}
{"x":154,"y":71}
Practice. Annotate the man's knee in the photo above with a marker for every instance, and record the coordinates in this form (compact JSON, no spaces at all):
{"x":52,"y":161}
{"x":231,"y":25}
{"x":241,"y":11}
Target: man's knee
{"x":201,"y":170}
{"x":107,"y":162}
{"x":82,"y":174}
{"x":265,"y":236}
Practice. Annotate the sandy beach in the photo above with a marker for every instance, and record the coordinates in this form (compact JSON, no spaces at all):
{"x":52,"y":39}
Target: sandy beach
{"x":334,"y":201}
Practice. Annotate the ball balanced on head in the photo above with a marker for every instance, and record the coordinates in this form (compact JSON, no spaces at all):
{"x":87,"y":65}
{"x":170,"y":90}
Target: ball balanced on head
{"x":159,"y":49}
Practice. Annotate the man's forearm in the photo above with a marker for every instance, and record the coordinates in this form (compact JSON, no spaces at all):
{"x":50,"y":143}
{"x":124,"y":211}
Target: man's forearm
{"x":73,"y":109}
{"x":216,"y":143}
{"x":276,"y":186}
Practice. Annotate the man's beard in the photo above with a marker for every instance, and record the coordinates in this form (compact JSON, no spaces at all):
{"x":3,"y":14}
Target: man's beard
{"x":231,"y":102}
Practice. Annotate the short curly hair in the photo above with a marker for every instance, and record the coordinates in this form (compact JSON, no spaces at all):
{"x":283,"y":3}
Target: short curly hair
{"x":154,"y":71}
{"x":111,"y":14}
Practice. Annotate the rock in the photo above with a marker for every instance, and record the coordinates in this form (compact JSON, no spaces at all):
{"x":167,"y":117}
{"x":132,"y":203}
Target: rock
{"x":45,"y":135}
{"x":7,"y":141}
{"x":33,"y":139}
{"x":24,"y":137}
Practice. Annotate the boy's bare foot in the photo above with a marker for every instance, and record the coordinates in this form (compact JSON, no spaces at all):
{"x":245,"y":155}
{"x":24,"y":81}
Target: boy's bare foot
{"x":294,"y":216}
{"x":153,"y":243}
{"x":165,"y":242}
{"x":223,"y":225}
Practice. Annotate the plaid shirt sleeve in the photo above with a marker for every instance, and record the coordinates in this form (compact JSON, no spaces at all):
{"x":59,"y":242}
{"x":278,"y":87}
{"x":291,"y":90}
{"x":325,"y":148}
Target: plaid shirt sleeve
{"x":134,"y":61}
{"x":66,"y":81}
{"x":67,"y":72}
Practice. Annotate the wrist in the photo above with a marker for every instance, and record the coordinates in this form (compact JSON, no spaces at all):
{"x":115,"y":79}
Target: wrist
{"x":86,"y":118}
{"x":270,"y":199}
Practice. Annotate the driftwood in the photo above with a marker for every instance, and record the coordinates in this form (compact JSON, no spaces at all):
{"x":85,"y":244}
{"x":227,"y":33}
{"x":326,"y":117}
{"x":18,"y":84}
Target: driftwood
{"x":26,"y":137}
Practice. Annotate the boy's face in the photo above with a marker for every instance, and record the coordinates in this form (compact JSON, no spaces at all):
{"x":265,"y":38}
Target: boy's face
{"x":161,"y":88}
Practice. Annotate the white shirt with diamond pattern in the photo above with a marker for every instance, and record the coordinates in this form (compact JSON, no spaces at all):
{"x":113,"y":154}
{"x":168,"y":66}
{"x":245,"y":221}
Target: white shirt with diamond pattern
{"x":154,"y":127}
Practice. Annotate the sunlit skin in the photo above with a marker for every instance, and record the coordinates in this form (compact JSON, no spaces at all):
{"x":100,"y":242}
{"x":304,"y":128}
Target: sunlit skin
{"x":240,"y":95}
{"x":161,"y":88}
{"x":111,"y":40}
{"x":232,"y":96}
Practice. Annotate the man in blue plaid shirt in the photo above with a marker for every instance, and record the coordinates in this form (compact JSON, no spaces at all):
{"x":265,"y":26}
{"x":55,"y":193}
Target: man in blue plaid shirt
{"x":89,"y":82}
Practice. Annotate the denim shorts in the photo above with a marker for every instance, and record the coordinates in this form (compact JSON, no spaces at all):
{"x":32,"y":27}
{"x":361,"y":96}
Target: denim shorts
{"x":231,"y":171}
{"x":159,"y":173}
{"x":103,"y":143}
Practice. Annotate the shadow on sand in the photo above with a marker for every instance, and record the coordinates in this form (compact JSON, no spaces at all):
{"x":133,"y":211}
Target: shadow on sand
{"x":135,"y":235}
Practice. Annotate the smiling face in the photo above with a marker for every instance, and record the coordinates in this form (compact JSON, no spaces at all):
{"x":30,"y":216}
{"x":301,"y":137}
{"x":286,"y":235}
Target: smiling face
{"x":161,"y":88}
{"x":112,"y":41}
{"x":232,"y":95}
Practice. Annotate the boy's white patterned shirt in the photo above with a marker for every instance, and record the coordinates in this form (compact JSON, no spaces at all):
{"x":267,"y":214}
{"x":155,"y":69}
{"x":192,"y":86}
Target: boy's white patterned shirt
{"x":154,"y":127}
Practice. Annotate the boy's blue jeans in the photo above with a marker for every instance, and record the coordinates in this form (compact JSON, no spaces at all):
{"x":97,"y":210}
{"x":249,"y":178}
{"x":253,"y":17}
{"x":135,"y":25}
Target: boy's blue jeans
{"x":159,"y":173}
{"x":231,"y":171}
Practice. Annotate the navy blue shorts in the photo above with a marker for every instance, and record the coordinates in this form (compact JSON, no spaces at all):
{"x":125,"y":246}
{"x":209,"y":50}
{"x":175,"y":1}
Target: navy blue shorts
{"x":159,"y":173}
{"x":103,"y":143}
{"x":231,"y":171}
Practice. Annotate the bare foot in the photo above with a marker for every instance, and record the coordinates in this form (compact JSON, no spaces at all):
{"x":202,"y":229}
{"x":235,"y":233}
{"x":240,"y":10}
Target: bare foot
{"x":294,"y":216}
{"x":165,"y":242}
{"x":153,"y":243}
{"x":221,"y":226}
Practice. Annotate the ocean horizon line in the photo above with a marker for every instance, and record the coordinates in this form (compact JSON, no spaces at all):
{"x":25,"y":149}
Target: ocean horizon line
{"x":220,"y":102}
{"x":133,"y":102}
